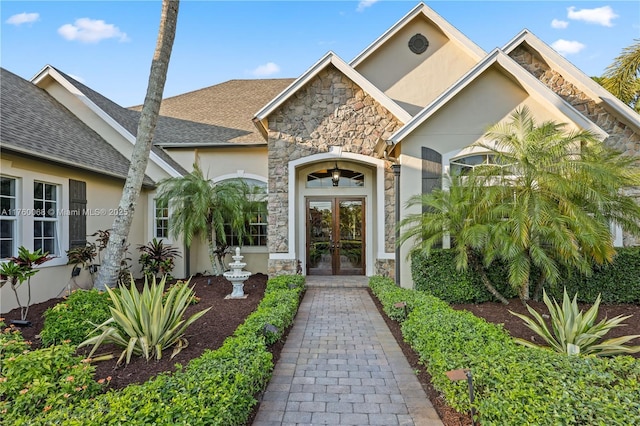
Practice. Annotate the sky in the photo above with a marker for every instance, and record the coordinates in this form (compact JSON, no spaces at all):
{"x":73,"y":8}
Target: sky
{"x":108,"y":45}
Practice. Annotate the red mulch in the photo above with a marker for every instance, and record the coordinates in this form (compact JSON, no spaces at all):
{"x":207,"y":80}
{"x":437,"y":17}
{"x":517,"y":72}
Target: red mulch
{"x":498,"y":313}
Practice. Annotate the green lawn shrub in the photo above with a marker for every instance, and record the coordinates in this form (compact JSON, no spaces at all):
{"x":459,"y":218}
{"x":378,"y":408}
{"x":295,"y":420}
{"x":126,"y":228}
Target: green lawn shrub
{"x":217,"y":388}
{"x":514,"y":385}
{"x":34,"y":382}
{"x":618,"y":282}
{"x":74,"y":318}
{"x":437,"y":275}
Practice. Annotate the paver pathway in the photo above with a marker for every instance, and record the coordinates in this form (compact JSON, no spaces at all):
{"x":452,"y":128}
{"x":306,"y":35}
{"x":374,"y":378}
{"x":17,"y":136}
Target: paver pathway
{"x":342,"y":366}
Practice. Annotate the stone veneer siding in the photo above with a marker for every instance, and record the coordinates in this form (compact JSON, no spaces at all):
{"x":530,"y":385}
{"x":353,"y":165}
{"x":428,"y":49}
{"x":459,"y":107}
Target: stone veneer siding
{"x":621,"y":137}
{"x":330,"y":110}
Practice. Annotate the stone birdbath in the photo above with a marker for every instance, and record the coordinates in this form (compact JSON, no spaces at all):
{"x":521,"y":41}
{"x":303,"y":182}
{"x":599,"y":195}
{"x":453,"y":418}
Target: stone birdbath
{"x":237,"y":276}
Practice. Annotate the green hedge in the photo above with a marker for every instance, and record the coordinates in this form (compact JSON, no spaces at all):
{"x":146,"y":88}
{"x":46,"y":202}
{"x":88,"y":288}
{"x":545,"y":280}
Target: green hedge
{"x":437,"y":275}
{"x":217,"y":388}
{"x":73,"y":319}
{"x":514,"y":385}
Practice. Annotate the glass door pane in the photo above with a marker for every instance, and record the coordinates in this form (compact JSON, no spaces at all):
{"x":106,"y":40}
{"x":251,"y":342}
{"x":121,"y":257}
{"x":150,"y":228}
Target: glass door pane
{"x":320,"y":224}
{"x":350,"y":245}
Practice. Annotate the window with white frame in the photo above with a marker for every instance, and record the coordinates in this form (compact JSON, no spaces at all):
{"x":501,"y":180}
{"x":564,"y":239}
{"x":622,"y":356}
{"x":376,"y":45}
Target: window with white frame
{"x":8,"y":217}
{"x":255,"y":230}
{"x":161,"y":227}
{"x":45,"y":217}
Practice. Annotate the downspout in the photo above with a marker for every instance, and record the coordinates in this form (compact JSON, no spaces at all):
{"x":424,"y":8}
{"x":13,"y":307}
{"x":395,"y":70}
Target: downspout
{"x":396,"y":177}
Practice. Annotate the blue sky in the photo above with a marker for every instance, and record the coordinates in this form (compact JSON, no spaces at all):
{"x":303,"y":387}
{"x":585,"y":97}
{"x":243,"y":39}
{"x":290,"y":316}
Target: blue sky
{"x":108,"y":44}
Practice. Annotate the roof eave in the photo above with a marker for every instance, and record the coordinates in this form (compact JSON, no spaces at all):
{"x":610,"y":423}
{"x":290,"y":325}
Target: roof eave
{"x":535,"y":88}
{"x":586,"y":83}
{"x":50,"y":71}
{"x":68,"y":163}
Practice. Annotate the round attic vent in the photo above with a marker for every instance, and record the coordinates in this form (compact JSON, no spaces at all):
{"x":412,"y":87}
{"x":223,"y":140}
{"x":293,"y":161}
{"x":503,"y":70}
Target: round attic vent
{"x":418,"y":44}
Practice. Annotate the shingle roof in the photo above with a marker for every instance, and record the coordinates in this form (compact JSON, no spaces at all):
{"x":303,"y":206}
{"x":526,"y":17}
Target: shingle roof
{"x":231,"y":105}
{"x":33,"y":123}
{"x":129,"y":120}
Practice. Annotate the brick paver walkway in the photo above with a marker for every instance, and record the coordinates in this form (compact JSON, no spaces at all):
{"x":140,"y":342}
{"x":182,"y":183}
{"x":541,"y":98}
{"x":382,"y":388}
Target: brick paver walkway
{"x":342,"y":366}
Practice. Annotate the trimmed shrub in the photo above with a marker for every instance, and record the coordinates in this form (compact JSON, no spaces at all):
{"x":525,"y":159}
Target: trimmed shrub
{"x":515,"y":385}
{"x":617,"y":283}
{"x":73,"y":319}
{"x":437,"y":275}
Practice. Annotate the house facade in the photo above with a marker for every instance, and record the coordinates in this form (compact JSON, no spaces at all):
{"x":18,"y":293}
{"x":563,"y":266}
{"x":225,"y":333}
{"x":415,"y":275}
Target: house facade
{"x":339,"y":150}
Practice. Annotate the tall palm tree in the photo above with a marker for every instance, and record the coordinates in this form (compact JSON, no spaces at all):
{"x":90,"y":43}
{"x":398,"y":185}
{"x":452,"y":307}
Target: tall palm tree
{"x":200,"y":207}
{"x":110,"y":268}
{"x":622,"y":77}
{"x":562,"y":191}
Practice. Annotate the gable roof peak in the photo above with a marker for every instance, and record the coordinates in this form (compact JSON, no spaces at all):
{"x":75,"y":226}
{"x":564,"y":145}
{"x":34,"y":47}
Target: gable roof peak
{"x":421,"y":9}
{"x":330,"y":58}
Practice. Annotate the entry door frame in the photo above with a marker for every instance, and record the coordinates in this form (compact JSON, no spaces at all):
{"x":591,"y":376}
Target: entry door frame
{"x":336,"y":245}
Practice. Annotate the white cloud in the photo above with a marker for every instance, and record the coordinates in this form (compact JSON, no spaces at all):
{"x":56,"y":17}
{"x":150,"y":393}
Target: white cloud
{"x":88,"y":30}
{"x":558,"y":24}
{"x":365,"y":4}
{"x":599,"y":16}
{"x":566,"y":47}
{"x":265,"y":70}
{"x":23,"y":18}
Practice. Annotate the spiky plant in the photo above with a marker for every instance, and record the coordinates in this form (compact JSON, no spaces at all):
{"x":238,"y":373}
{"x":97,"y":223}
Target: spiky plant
{"x":575,"y":332}
{"x":146,"y":323}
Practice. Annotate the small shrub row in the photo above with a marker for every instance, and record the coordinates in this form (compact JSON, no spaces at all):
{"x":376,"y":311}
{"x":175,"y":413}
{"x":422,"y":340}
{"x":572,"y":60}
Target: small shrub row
{"x":33,"y":382}
{"x":74,"y":318}
{"x":217,"y":388}
{"x":514,"y":385}
{"x":437,"y":275}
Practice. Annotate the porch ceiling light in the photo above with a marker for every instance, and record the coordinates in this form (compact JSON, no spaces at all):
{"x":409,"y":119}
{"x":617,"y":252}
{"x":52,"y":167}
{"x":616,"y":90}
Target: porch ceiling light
{"x":335,"y":175}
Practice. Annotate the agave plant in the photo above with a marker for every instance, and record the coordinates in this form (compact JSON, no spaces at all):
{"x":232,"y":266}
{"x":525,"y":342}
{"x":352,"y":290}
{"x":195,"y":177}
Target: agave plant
{"x":575,"y":332}
{"x":146,"y":323}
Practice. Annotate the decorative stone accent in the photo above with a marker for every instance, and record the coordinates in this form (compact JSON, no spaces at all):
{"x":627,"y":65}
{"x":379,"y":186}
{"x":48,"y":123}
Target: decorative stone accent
{"x":621,"y":137}
{"x":386,"y":268}
{"x":330,"y":110}
{"x":281,"y":267}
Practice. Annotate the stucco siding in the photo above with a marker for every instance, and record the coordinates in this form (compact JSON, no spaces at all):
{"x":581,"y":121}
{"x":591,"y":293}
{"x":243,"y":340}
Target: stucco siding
{"x":415,"y":80}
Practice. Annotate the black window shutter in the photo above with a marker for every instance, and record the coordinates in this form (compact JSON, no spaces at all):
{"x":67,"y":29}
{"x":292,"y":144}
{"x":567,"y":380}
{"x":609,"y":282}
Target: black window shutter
{"x":431,"y":170}
{"x":77,"y":217}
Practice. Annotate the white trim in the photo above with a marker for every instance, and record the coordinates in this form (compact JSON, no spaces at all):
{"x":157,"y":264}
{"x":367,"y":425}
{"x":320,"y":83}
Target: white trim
{"x":572,"y":73}
{"x":449,"y":30}
{"x":343,"y":67}
{"x":379,"y":251}
{"x":535,"y":87}
{"x":240,"y":174}
{"x":53,"y":73}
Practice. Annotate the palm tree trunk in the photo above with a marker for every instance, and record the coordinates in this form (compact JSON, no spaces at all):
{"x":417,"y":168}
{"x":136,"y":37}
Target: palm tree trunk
{"x":479,"y":269}
{"x":108,"y":272}
{"x":211,"y":243}
{"x":539,"y":285}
